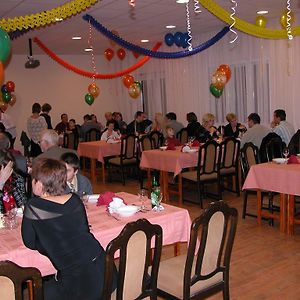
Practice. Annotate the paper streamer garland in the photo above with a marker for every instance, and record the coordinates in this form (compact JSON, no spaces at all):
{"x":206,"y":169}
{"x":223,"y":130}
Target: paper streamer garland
{"x":232,"y":17}
{"x":288,"y":20}
{"x":147,"y":52}
{"x":246,"y":27}
{"x":46,"y":17}
{"x":90,"y":74}
{"x":188,"y":28}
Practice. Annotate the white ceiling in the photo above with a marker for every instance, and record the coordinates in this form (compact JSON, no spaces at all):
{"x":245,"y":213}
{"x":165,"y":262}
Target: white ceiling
{"x":151,"y":17}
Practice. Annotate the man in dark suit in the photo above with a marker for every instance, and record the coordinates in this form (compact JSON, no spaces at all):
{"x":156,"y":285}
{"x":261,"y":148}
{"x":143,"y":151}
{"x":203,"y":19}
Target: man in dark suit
{"x":76,"y":183}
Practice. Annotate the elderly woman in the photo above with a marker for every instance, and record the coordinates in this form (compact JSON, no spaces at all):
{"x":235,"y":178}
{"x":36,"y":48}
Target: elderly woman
{"x":233,"y":128}
{"x":56,"y":225}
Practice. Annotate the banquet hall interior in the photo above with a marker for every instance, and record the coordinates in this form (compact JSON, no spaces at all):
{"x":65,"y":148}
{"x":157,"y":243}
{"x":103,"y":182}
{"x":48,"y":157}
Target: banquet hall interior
{"x":173,"y":53}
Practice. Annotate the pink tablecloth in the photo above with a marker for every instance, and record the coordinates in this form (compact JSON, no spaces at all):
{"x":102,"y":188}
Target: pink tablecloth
{"x":281,"y":178}
{"x":170,"y":161}
{"x":98,"y":149}
{"x":174,"y":221}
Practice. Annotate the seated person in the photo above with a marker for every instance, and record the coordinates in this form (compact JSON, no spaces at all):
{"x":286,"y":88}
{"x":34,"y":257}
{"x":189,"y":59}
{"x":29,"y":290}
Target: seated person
{"x":171,"y":139}
{"x":109,"y":133}
{"x":12,"y":184}
{"x":208,"y":121}
{"x":62,"y":126}
{"x":171,"y":120}
{"x":233,"y":128}
{"x":76,"y":183}
{"x":117,"y":116}
{"x":137,"y":126}
{"x":87,"y":125}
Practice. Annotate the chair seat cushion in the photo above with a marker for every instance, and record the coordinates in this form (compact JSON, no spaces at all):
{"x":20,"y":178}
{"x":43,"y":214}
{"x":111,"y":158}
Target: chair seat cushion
{"x":192,"y":175}
{"x":117,"y":161}
{"x":227,"y":171}
{"x":171,"y":273}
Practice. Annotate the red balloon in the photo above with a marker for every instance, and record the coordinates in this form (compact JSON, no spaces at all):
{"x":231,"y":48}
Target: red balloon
{"x":128,"y":80}
{"x":10,"y":85}
{"x":225,"y":69}
{"x":109,"y":54}
{"x":121,"y":53}
{"x":135,"y":54}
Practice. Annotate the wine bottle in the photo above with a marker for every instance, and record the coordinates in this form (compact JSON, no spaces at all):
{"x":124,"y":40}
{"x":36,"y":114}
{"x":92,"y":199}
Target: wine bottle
{"x":155,"y":192}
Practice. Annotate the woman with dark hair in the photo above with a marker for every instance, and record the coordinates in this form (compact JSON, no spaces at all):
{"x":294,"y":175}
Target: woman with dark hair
{"x":194,"y":128}
{"x":12,"y":184}
{"x":46,"y":108}
{"x":55,"y":224}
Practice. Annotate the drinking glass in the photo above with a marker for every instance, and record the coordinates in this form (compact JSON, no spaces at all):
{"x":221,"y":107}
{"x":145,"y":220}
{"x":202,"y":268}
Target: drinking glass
{"x":286,"y":152}
{"x":11,"y":214}
{"x":158,"y":207}
{"x":191,"y":140}
{"x":143,"y":197}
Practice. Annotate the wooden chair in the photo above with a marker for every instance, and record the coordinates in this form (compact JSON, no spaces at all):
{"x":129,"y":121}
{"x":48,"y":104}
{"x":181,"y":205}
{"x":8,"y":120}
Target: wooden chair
{"x":229,"y":164}
{"x":157,"y":138}
{"x":92,"y":135}
{"x":274,"y":148}
{"x":204,"y":270}
{"x":12,"y":277}
{"x":182,"y":136}
{"x":208,"y":170}
{"x":128,"y":156}
{"x":134,"y":281}
{"x":71,"y":140}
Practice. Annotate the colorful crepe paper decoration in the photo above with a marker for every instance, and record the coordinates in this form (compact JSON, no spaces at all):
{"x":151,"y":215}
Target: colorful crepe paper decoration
{"x":147,"y":52}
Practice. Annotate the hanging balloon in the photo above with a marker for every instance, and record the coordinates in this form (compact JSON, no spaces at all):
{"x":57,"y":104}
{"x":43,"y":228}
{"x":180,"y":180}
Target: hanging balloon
{"x":216,"y":92}
{"x":169,"y":39}
{"x":178,"y":38}
{"x":3,"y":106}
{"x":284,"y":17}
{"x":225,"y":69}
{"x":128,"y":80}
{"x":10,"y":86}
{"x":138,"y":83}
{"x":261,"y":21}
{"x":185,"y":39}
{"x":115,"y":32}
{"x":218,"y":80}
{"x":135,"y":54}
{"x":89,"y":99}
{"x":109,"y":54}
{"x":1,"y":72}
{"x":6,"y":97}
{"x":13,"y":100}
{"x":5,"y":45}
{"x":134,"y":90}
{"x":94,"y":90}
{"x":4,"y":88}
{"x":121,"y":53}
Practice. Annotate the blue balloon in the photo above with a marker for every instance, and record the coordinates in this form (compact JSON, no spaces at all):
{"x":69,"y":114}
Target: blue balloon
{"x":178,"y":36}
{"x":4,"y":89}
{"x":185,"y":38}
{"x":169,"y":39}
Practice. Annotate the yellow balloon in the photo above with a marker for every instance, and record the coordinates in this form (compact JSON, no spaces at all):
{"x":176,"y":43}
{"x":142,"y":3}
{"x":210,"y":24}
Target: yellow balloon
{"x":284,"y":17}
{"x":261,"y":21}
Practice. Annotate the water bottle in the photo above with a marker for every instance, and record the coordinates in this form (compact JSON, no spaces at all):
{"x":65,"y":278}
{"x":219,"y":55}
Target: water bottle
{"x":155,"y":193}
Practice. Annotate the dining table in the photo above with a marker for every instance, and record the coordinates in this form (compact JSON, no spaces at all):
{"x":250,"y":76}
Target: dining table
{"x":168,"y":161}
{"x":282,"y":178}
{"x":175,"y":223}
{"x":97,"y":151}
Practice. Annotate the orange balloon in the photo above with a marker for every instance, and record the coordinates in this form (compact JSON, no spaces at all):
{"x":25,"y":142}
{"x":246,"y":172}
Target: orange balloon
{"x":1,"y":73}
{"x":225,"y":69}
{"x":121,"y":53}
{"x":13,"y":100}
{"x":218,"y":80}
{"x":128,"y":80}
{"x":3,"y":106}
{"x":109,"y":54}
{"x":134,"y":90}
{"x":94,"y":89}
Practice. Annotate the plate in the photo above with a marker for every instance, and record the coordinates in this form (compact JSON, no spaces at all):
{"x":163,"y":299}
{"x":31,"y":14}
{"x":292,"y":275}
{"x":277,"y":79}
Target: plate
{"x":279,"y":160}
{"x":113,"y":141}
{"x":298,"y":154}
{"x":163,"y":148}
{"x":128,"y":210}
{"x":93,"y":198}
{"x":191,"y":150}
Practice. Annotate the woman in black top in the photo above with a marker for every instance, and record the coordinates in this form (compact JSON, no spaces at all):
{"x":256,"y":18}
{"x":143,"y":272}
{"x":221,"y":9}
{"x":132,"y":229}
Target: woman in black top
{"x":233,"y":128}
{"x":56,"y":225}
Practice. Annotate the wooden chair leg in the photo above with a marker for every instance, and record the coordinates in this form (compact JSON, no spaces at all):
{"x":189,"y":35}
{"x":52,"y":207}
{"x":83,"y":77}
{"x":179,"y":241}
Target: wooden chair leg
{"x":180,"y":190}
{"x":245,"y":200}
{"x":30,"y":289}
{"x":237,"y":185}
{"x":291,"y":214}
{"x":200,"y":195}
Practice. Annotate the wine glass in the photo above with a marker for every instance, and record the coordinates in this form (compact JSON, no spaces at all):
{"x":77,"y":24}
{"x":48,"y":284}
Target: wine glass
{"x":158,"y":207}
{"x":191,"y":140}
{"x":143,"y":197}
{"x":286,"y":152}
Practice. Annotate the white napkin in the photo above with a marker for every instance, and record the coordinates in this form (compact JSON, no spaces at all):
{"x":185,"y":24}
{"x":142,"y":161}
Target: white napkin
{"x":186,"y":148}
{"x":115,"y":204}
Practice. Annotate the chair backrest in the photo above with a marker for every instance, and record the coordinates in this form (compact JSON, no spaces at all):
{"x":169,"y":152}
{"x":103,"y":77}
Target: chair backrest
{"x":215,"y":229}
{"x":157,"y":138}
{"x":183,"y":136}
{"x":208,"y":159}
{"x":249,"y":157}
{"x":128,"y":147}
{"x":146,"y":143}
{"x":294,"y":144}
{"x":92,"y":135}
{"x":13,"y":276}
{"x":262,"y":150}
{"x":134,"y":246}
{"x":230,"y":148}
{"x":274,"y":148}
{"x":71,"y":140}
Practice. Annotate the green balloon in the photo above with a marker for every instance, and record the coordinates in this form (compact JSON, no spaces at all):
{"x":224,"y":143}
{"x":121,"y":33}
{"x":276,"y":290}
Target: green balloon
{"x":5,"y":45}
{"x":89,"y":99}
{"x":6,"y":97}
{"x":216,"y":92}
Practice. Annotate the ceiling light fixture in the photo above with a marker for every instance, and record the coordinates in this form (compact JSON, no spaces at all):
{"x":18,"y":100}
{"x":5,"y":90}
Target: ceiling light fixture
{"x":144,"y":41}
{"x":88,"y":49}
{"x":58,"y":19}
{"x":170,"y":26}
{"x":76,"y":38}
{"x":182,"y":1}
{"x":262,"y":12}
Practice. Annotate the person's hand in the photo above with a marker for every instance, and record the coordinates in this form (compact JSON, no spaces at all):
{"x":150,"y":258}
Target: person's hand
{"x":273,"y":124}
{"x":5,"y":173}
{"x":212,"y":130}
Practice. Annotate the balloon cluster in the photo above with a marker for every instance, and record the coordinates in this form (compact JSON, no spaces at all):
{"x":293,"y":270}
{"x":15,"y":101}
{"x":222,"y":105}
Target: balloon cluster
{"x":261,"y":21}
{"x":134,"y":86}
{"x":5,"y":48}
{"x":109,"y":53}
{"x":179,"y":38}
{"x":93,"y":92}
{"x":7,"y":96}
{"x":220,"y":77}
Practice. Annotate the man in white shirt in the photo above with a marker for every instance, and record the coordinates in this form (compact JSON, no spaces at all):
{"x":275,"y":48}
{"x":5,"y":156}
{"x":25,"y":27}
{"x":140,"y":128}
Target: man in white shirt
{"x":9,"y":125}
{"x":281,"y":127}
{"x":256,"y":132}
